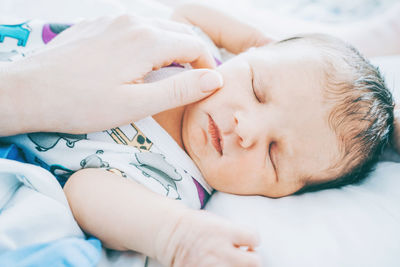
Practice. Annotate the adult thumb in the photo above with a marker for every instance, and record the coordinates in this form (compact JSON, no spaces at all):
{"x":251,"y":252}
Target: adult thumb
{"x":185,"y":88}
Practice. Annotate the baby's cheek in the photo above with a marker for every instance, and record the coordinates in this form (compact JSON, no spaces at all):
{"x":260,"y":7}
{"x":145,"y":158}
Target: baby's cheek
{"x":198,"y":140}
{"x":232,"y":175}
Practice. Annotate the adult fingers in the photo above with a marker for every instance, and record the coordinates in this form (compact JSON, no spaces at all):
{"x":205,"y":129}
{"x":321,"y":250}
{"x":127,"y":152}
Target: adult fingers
{"x":260,"y":39}
{"x":168,"y":47}
{"x":171,"y":26}
{"x":255,"y":38}
{"x":178,"y":90}
{"x":167,"y":25}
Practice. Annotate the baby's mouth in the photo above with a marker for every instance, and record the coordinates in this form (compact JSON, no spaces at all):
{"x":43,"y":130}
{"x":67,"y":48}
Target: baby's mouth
{"x":216,"y":139}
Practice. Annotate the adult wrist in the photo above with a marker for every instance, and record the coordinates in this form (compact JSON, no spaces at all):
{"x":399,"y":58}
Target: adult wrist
{"x":12,"y":119}
{"x":22,"y":105}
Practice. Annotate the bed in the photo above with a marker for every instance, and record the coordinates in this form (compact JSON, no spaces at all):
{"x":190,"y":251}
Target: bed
{"x":357,"y":225}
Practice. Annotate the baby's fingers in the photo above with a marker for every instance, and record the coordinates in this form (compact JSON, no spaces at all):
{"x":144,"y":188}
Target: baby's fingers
{"x":236,"y":257}
{"x":244,"y":238}
{"x":248,"y":259}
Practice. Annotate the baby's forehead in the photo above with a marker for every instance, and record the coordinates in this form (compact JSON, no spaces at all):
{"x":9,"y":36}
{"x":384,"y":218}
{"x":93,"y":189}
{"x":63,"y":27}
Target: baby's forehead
{"x":300,"y":61}
{"x":304,"y":51}
{"x":280,"y":66}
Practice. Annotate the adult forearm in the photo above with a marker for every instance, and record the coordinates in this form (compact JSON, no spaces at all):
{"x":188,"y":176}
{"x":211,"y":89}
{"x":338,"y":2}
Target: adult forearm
{"x":17,"y":107}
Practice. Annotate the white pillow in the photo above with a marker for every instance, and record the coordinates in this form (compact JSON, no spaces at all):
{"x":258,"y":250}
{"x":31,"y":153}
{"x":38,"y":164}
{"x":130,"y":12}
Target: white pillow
{"x":357,"y":225}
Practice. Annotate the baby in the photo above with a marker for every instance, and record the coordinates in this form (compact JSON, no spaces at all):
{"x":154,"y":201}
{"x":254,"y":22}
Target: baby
{"x":301,"y":114}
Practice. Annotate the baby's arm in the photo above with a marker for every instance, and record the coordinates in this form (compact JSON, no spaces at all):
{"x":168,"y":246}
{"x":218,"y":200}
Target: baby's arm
{"x":127,"y":216}
{"x":225,"y":31}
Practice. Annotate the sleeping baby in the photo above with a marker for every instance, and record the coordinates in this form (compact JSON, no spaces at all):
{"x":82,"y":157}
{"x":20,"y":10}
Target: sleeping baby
{"x":297,"y":115}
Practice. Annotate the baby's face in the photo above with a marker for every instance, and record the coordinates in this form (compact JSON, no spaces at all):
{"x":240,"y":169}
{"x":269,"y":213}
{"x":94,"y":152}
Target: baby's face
{"x":265,"y":132}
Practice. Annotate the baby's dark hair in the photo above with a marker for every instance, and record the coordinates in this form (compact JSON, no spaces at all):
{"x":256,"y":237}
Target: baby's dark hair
{"x":362,"y":114}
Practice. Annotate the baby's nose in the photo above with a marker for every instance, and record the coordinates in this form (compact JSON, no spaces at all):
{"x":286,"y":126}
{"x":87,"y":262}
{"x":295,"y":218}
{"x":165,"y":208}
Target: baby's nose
{"x":245,"y":142}
{"x":245,"y":131}
{"x":247,"y":135}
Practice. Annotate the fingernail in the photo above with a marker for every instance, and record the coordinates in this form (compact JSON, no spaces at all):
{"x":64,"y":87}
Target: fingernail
{"x":210,"y":81}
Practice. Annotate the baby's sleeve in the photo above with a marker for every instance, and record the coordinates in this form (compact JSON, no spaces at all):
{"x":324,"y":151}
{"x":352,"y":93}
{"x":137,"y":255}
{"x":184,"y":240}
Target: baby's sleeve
{"x":24,"y":38}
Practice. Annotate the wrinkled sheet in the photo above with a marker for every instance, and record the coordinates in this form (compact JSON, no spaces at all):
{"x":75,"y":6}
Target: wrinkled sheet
{"x":36,"y":225}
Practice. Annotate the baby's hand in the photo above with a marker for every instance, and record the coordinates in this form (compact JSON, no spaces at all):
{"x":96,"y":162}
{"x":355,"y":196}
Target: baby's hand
{"x":200,"y":238}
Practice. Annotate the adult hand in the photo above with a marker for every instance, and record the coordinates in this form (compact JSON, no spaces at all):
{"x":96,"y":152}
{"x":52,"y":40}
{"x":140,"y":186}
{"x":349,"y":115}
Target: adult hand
{"x":89,"y":77}
{"x":202,"y":239}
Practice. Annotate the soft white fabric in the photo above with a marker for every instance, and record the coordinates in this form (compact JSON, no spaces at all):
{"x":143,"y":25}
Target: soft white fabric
{"x":33,"y":207}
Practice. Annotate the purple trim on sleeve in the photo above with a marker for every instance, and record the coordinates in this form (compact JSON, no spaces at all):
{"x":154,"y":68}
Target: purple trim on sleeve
{"x":203,"y":195}
{"x":47,"y":34}
{"x":174,"y":64}
{"x":217,"y":61}
{"x":51,"y":30}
